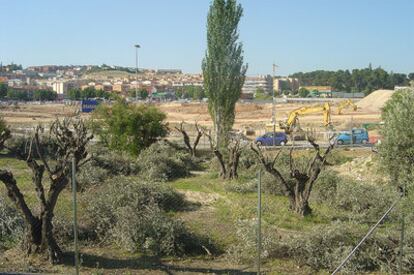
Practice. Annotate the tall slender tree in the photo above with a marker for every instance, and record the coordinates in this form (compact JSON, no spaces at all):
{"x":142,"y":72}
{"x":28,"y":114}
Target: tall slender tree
{"x":223,"y":68}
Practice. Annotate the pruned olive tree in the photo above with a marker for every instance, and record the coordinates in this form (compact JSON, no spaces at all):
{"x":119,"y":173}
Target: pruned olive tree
{"x":71,"y":138}
{"x":228,"y":157}
{"x":297,"y":184}
{"x":223,"y":68}
{"x":4,"y":133}
{"x":192,"y":148}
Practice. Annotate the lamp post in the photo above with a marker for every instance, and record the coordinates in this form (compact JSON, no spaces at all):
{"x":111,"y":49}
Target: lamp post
{"x":136,"y":72}
{"x":274,"y":104}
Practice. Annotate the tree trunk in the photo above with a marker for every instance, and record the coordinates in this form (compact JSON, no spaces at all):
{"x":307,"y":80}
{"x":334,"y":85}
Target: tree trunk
{"x":300,"y":206}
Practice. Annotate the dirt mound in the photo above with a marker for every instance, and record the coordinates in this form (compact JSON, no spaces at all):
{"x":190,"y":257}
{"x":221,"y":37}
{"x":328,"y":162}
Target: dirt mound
{"x":376,"y":100}
{"x":363,"y":169}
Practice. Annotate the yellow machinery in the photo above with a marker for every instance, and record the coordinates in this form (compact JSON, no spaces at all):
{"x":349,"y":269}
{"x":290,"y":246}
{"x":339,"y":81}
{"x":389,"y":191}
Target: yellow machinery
{"x":293,"y":116}
{"x":346,"y":103}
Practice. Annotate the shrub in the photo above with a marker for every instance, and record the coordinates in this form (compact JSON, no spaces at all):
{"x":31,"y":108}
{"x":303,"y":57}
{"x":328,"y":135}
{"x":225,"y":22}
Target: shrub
{"x":324,"y":190}
{"x":116,"y":163}
{"x":11,"y":225}
{"x":324,"y":247}
{"x":129,"y":128}
{"x":162,"y":162}
{"x":151,"y":232}
{"x":90,"y":175}
{"x":365,"y":203}
{"x":20,"y":146}
{"x":244,"y":249}
{"x":132,"y":214}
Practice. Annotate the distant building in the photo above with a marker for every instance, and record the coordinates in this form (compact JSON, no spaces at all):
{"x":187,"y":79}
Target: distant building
{"x":285,"y":83}
{"x":61,"y":87}
{"x":252,"y":84}
{"x":120,"y":87}
{"x":169,"y":71}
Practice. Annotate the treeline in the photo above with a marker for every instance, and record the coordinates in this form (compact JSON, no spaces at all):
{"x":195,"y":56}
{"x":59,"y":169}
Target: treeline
{"x":25,"y":95}
{"x":358,"y":80}
{"x":90,"y":92}
{"x":190,"y":92}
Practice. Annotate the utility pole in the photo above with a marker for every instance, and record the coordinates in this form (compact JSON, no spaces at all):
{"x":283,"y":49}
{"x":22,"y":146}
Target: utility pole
{"x":75,"y":216}
{"x":273,"y":103}
{"x":136,"y":67}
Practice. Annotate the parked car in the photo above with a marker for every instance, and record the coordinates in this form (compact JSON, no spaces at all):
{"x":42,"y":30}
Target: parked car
{"x":359,"y":136}
{"x":280,"y":138}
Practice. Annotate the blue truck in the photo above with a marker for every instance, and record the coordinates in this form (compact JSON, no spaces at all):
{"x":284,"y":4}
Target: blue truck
{"x":356,"y":136}
{"x":89,"y":105}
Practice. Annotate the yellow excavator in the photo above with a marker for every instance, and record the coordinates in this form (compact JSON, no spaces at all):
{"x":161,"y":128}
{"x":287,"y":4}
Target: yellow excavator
{"x":346,"y":103}
{"x":293,"y":117}
{"x":291,"y":123}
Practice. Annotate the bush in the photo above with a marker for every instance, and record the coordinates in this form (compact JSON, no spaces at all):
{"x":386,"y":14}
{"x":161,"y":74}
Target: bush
{"x":11,"y":225}
{"x":91,"y":175}
{"x":151,"y":232}
{"x":116,"y":163}
{"x":244,"y":249}
{"x":365,"y":203}
{"x":162,"y":162}
{"x":129,"y":128}
{"x":20,"y":145}
{"x":324,"y":247}
{"x":133,"y":215}
{"x":325,"y":187}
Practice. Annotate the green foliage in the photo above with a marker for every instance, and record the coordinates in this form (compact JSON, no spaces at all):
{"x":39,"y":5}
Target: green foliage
{"x":223,"y":69}
{"x":89,"y":92}
{"x":3,"y":90}
{"x":129,"y":128}
{"x":324,"y":247}
{"x":397,"y":145}
{"x":325,"y":187}
{"x":260,"y":94}
{"x":142,"y":93}
{"x":132,"y":214}
{"x":23,"y":95}
{"x":303,"y":92}
{"x":190,"y":92}
{"x":359,"y":80}
{"x":14,"y":94}
{"x":44,"y":95}
{"x":11,"y":225}
{"x":364,"y":202}
{"x":244,"y":250}
{"x":162,"y":162}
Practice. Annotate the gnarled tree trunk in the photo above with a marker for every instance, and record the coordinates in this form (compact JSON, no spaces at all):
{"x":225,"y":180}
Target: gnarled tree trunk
{"x":70,"y":144}
{"x":299,"y":186}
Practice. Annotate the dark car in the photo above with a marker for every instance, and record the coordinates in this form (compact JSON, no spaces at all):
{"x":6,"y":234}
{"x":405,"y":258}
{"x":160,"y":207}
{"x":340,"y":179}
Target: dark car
{"x":280,"y":138}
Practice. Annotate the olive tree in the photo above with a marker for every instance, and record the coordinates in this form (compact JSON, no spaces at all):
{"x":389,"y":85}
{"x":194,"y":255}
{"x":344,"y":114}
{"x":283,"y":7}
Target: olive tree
{"x":71,"y":138}
{"x":298,"y":182}
{"x":397,"y":146}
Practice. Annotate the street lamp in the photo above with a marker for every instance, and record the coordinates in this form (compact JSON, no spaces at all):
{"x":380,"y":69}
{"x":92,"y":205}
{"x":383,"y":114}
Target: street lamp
{"x":136,"y":67}
{"x":274,"y":104}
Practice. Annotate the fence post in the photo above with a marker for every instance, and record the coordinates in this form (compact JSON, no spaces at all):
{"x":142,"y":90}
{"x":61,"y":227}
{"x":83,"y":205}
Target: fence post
{"x":75,"y":216}
{"x":401,"y":253}
{"x":259,"y":220}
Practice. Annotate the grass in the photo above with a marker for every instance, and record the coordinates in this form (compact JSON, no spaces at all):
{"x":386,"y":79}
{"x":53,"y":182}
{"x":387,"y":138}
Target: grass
{"x":215,"y":219}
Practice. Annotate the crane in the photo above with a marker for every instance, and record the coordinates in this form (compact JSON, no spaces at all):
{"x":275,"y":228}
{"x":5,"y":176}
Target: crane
{"x":293,"y":116}
{"x":344,"y":104}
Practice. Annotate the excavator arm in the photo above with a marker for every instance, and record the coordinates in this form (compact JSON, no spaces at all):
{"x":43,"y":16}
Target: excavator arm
{"x":293,"y":116}
{"x":344,"y":104}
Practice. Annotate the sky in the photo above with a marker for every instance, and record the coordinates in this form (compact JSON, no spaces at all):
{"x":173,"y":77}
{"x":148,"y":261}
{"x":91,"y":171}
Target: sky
{"x":298,"y":35}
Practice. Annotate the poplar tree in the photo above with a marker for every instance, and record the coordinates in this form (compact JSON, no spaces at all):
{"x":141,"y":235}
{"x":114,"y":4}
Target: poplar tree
{"x":223,"y":68}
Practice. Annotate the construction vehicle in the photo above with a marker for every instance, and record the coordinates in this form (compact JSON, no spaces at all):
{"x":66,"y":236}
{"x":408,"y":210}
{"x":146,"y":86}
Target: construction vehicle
{"x":291,"y":123}
{"x":346,"y":103}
